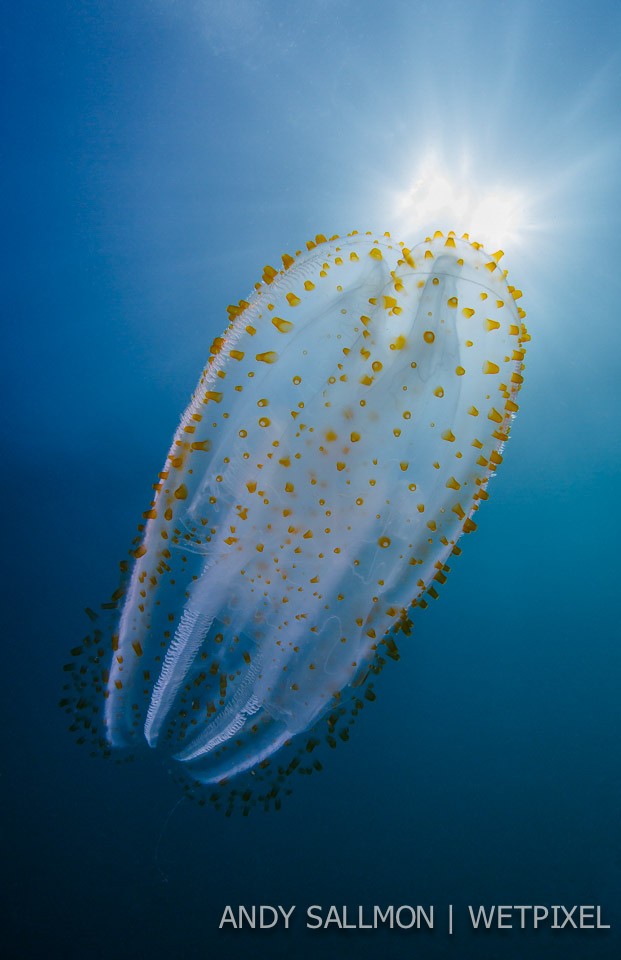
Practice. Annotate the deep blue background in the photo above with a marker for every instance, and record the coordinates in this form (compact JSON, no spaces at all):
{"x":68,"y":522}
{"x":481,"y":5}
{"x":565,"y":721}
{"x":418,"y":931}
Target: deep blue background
{"x":159,"y":155}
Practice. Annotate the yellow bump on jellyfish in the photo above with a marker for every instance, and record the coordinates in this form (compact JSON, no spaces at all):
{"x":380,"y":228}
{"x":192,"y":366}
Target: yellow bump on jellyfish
{"x":268,"y":356}
{"x":283,"y":326}
{"x":283,"y":553}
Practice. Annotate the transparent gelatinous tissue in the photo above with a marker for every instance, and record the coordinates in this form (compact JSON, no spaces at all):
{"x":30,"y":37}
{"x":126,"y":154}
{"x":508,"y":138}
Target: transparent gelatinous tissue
{"x":340,"y":439}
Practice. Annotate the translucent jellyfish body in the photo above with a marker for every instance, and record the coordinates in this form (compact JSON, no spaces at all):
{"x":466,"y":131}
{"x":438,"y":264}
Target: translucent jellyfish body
{"x":338,"y":443}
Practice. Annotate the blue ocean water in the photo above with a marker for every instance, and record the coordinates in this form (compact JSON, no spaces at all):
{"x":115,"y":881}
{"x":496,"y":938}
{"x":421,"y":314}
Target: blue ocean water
{"x":160,"y":154}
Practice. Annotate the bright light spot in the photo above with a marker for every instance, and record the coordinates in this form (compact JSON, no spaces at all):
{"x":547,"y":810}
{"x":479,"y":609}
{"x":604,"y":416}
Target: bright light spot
{"x":491,"y":213}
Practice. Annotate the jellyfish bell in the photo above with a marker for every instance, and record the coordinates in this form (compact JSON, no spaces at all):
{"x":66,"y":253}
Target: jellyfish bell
{"x":340,"y":440}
